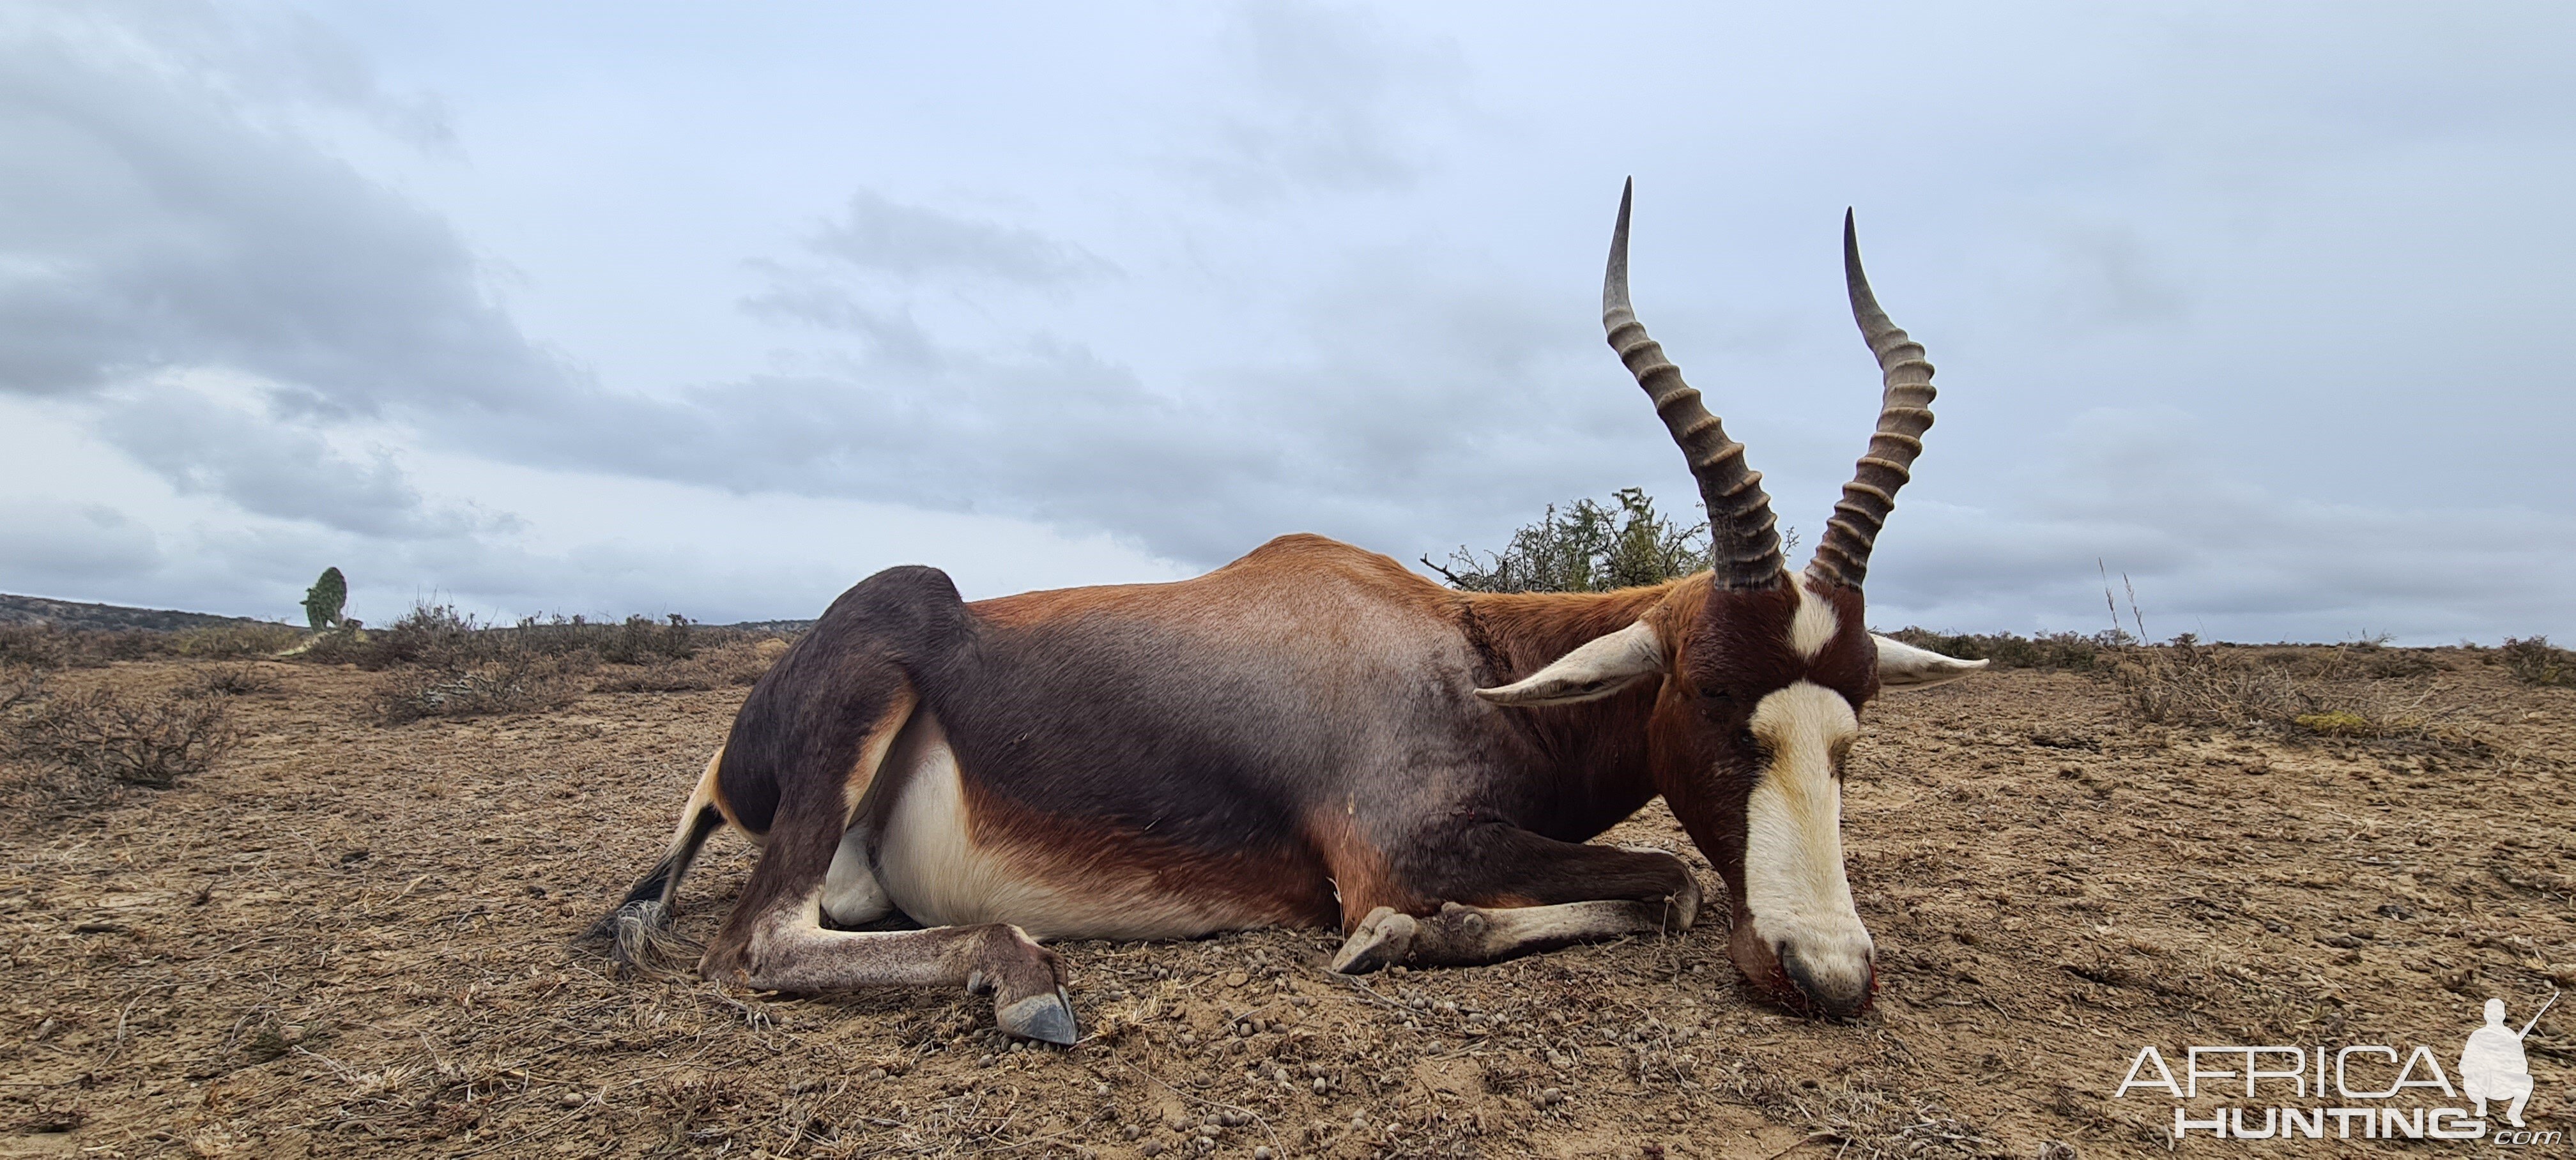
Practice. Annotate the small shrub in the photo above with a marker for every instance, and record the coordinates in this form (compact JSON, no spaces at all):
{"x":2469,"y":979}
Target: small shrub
{"x":2534,"y":661}
{"x":35,"y":645}
{"x":640,"y":641}
{"x":149,"y":742}
{"x":507,"y":683}
{"x":433,"y":634}
{"x":242,"y":680}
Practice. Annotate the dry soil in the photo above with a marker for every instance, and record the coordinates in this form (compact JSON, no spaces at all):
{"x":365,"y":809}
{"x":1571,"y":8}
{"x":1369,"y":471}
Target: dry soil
{"x":354,"y":940}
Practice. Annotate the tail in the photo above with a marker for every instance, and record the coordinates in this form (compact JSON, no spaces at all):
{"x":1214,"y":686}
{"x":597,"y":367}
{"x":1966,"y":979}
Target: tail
{"x":638,"y":932}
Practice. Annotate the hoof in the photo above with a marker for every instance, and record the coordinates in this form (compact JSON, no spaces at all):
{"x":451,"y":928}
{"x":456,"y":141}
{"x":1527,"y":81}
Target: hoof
{"x":1047,"y":1018}
{"x":1382,"y":941}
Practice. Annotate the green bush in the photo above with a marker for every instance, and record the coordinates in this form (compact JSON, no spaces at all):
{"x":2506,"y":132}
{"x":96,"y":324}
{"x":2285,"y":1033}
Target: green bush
{"x":1586,"y":547}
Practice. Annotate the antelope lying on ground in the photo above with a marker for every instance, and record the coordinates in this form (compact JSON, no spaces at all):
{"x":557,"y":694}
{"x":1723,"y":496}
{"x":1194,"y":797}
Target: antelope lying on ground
{"x":1313,"y":735}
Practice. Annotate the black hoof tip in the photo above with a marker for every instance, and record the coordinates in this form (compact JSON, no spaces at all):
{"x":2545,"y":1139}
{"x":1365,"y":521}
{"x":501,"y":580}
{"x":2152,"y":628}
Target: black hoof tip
{"x":1045,"y":1018}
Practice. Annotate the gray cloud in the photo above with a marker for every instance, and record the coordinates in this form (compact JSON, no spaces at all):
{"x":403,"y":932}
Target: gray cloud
{"x":908,"y":242}
{"x":2139,"y":493}
{"x":155,"y":216}
{"x":270,"y":467}
{"x":1331,"y":99}
{"x":1359,"y":314}
{"x":1403,"y":380}
{"x":59,"y":546}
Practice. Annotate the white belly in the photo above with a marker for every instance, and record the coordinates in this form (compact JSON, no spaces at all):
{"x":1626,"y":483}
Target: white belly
{"x":931,"y":866}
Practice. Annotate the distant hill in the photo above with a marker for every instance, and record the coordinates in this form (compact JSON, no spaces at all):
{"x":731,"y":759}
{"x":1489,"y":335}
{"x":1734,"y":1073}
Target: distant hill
{"x":74,"y":614}
{"x":781,"y":627}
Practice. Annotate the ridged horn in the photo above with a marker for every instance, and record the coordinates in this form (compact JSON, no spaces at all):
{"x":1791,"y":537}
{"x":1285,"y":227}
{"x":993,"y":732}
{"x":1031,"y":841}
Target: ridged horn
{"x":1905,"y":412}
{"x":1744,"y":548}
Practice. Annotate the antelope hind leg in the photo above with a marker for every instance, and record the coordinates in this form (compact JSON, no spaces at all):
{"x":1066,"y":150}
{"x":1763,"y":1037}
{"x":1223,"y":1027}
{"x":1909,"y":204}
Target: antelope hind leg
{"x":793,"y":952}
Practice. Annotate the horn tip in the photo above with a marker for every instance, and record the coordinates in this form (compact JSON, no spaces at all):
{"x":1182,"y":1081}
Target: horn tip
{"x":1856,"y":280}
{"x":1614,"y":279}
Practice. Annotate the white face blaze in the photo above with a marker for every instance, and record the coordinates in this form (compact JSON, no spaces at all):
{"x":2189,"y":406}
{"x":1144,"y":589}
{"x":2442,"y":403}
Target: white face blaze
{"x":1793,"y":850}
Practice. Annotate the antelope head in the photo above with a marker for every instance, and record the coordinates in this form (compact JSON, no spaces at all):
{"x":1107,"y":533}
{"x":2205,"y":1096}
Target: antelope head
{"x":1765,"y":672}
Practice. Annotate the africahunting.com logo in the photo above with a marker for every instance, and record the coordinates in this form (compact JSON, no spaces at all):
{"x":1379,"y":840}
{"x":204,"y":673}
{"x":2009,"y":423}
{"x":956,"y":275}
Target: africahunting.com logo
{"x":2353,"y":1092}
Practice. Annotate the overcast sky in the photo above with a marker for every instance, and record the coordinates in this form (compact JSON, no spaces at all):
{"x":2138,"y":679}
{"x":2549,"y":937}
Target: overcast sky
{"x":718,"y":309}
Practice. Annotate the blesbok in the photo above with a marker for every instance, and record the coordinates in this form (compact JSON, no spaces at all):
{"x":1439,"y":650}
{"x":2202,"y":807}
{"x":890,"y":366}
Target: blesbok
{"x":1313,"y":735}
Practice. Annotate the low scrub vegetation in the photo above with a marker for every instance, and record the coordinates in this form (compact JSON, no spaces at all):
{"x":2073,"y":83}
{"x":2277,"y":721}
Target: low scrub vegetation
{"x":232,"y":680}
{"x":234,"y":641}
{"x":141,"y":740}
{"x":734,"y":663}
{"x":48,"y":647}
{"x":2351,"y":690}
{"x":505,"y":682}
{"x":2534,"y":661}
{"x":443,"y":663}
{"x":436,"y":661}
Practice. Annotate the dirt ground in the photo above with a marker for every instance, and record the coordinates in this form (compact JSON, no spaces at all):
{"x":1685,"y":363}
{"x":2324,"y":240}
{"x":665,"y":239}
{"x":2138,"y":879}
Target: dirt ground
{"x":354,"y":939}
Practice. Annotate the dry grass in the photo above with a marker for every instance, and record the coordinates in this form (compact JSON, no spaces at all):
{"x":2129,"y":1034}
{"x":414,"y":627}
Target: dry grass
{"x":739,"y":663}
{"x":50,"y":647}
{"x":234,"y":641}
{"x":19,"y":685}
{"x":2344,"y":691}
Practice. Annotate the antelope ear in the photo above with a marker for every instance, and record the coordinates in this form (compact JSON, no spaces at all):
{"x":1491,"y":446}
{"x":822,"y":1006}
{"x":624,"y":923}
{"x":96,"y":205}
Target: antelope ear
{"x":1903,"y":666}
{"x":1602,"y":666}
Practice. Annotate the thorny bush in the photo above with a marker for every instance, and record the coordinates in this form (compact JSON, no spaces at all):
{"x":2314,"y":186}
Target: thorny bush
{"x":147,"y":741}
{"x":507,"y":682}
{"x":2534,"y":661}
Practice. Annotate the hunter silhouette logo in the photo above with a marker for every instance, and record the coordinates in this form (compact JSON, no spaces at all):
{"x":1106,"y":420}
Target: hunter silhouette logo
{"x":2282,"y":1092}
{"x":2492,"y":1066}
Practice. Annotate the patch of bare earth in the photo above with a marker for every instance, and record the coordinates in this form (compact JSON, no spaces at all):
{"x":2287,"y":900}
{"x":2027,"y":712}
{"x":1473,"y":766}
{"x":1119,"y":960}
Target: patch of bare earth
{"x":353,"y":939}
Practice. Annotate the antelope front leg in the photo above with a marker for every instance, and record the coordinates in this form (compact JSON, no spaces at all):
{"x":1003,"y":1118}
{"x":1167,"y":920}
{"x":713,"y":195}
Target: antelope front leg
{"x":1466,"y":936}
{"x":1662,"y":896}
